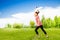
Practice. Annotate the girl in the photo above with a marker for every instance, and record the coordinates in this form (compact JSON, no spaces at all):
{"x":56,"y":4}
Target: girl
{"x":39,"y":24}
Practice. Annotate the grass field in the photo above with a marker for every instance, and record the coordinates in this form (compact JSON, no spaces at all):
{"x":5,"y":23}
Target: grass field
{"x":28,"y":34}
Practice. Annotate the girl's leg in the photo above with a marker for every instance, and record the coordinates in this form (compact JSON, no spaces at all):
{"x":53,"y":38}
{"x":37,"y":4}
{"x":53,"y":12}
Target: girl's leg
{"x":43,"y":29}
{"x":37,"y":35}
{"x":36,"y":30}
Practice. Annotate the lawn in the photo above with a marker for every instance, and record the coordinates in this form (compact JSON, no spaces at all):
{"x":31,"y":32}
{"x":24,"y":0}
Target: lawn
{"x":28,"y":34}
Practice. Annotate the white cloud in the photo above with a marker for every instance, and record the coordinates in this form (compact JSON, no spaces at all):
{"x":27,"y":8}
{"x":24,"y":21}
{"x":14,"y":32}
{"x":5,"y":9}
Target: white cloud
{"x":26,"y":17}
{"x":49,"y":11}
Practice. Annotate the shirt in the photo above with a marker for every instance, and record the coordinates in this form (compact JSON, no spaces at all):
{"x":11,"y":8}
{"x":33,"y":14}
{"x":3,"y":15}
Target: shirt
{"x":38,"y":22}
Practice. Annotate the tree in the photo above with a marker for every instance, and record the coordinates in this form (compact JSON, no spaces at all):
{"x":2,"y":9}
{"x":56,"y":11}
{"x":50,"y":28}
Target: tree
{"x":56,"y":21}
{"x":9,"y":25}
{"x":32,"y":24}
{"x":17,"y":25}
{"x":44,"y":22}
{"x":47,"y":22}
{"x":59,"y":21}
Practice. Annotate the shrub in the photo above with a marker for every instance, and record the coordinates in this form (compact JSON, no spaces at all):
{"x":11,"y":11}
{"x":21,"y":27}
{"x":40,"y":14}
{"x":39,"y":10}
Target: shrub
{"x":16,"y":25}
{"x":32,"y":24}
{"x":9,"y":25}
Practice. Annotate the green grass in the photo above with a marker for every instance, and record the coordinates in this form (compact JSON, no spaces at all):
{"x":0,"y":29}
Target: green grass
{"x":28,"y":34}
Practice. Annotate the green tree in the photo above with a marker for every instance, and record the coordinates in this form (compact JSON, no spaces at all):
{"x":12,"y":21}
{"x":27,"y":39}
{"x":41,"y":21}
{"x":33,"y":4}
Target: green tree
{"x":9,"y":25}
{"x":17,"y":25}
{"x":47,"y":22}
{"x":56,"y":21}
{"x":53,"y":23}
{"x":59,"y":21}
{"x":32,"y":24}
{"x":44,"y":22}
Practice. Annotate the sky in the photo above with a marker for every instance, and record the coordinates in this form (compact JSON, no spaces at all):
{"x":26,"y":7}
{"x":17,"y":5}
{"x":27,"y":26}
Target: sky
{"x":21,"y":11}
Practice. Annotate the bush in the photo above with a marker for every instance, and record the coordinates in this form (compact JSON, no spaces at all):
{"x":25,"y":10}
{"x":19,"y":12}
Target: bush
{"x":32,"y":24}
{"x":9,"y":25}
{"x":16,"y":25}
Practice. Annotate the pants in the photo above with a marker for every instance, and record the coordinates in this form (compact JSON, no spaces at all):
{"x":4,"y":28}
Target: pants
{"x":41,"y":26}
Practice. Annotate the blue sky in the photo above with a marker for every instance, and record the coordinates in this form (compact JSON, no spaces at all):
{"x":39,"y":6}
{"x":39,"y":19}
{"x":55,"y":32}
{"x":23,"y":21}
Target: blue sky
{"x":9,"y":7}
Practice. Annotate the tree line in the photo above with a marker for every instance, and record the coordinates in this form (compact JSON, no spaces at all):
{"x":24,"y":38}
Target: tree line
{"x":47,"y":23}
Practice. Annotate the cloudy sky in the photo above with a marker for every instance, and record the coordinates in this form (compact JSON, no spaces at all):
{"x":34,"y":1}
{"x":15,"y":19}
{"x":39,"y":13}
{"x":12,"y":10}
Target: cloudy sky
{"x":21,"y":11}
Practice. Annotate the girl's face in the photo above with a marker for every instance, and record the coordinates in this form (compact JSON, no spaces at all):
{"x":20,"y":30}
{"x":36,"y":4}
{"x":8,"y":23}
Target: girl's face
{"x":35,"y":14}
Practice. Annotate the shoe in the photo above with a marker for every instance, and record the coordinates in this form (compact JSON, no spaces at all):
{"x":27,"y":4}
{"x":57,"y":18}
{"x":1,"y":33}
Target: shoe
{"x":46,"y":36}
{"x":37,"y":36}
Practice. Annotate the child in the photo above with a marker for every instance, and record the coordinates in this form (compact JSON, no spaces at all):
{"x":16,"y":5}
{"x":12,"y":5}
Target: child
{"x":39,"y":24}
